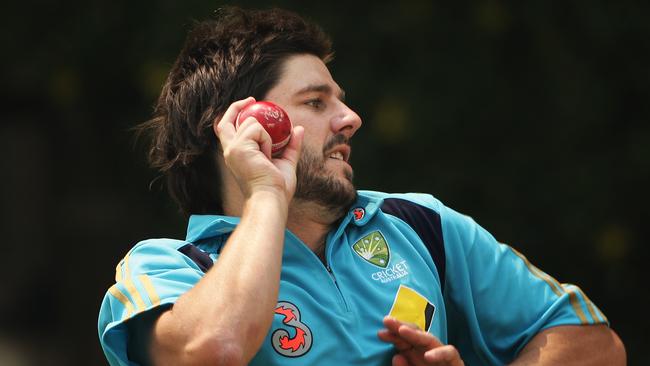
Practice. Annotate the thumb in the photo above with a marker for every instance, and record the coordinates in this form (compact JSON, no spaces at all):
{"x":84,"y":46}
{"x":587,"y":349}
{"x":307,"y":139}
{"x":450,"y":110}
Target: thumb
{"x":292,"y":151}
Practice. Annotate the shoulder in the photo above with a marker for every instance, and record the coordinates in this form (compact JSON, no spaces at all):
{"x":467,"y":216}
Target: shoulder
{"x":155,"y":248}
{"x":414,"y":205}
{"x":427,"y":215}
{"x":157,"y":245}
{"x":154,"y":255}
{"x":152,"y":275}
{"x":406,"y":199}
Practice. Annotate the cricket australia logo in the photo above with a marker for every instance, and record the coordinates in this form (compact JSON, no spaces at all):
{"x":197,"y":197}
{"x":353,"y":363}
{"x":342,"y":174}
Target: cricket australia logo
{"x":374,"y":249}
{"x":296,"y":343}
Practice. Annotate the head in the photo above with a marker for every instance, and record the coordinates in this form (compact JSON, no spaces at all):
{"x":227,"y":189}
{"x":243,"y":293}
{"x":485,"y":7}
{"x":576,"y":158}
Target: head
{"x":311,"y":97}
{"x":238,"y":54}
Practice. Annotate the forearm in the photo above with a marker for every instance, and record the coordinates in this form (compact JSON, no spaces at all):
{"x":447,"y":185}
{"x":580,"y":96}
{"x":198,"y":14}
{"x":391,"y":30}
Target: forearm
{"x":227,"y":314}
{"x":573,"y":345}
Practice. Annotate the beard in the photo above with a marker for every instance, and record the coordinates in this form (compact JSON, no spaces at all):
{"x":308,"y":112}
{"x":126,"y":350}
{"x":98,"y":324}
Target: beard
{"x":316,"y":184}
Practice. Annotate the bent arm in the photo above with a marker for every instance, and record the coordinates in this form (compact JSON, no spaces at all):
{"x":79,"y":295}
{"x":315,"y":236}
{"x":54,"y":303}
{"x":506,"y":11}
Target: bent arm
{"x":225,"y":317}
{"x":573,"y":345}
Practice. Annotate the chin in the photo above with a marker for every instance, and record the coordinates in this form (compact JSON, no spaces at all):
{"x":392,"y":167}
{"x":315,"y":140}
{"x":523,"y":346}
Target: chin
{"x":325,"y":183}
{"x":334,"y":192}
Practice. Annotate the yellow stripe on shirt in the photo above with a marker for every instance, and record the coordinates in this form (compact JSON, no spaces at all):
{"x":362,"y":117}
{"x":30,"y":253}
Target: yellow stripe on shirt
{"x":122,"y":298}
{"x":602,"y":316}
{"x":595,"y":313}
{"x":150,"y":289}
{"x":575,"y":302}
{"x":552,"y":282}
{"x":589,"y":305}
{"x":135,"y":295}
{"x":127,"y":273}
{"x":118,"y":271}
{"x":122,"y":268}
{"x":571,"y":290}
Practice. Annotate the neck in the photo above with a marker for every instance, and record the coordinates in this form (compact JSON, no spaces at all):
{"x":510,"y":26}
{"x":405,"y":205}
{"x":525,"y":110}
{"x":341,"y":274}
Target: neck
{"x":311,"y":223}
{"x":307,"y":220}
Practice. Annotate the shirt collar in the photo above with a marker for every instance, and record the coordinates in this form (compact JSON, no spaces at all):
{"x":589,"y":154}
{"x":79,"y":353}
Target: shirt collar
{"x":208,"y":226}
{"x":365,"y":208}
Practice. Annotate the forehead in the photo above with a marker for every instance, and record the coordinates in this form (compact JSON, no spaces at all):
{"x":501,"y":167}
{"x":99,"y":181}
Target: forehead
{"x":301,"y":72}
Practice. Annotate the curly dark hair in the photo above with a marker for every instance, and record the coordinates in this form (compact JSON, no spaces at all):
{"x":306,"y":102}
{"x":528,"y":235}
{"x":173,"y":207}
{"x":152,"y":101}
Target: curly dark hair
{"x":237,"y":54}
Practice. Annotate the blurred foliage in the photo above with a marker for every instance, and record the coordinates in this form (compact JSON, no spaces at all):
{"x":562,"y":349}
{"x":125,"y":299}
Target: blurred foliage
{"x":530,"y":117}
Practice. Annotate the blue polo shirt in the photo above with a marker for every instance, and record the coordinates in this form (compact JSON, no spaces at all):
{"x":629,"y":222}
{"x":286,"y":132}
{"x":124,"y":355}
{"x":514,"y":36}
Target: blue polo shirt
{"x":406,"y":255}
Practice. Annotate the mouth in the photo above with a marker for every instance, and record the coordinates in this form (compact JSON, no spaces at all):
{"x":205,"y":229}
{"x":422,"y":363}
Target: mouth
{"x":340,"y":152}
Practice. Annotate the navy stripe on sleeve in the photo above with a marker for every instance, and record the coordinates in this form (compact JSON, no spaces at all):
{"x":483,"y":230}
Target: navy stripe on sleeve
{"x":199,"y":257}
{"x":426,"y":223}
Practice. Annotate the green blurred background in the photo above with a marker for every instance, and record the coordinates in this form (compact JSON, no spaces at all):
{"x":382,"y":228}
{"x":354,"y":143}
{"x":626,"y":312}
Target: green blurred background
{"x":533,"y":118}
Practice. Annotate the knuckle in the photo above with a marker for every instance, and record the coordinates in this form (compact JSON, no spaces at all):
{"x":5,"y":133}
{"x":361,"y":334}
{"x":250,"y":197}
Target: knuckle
{"x":228,"y":153}
{"x":451,"y":353}
{"x":252,"y":123}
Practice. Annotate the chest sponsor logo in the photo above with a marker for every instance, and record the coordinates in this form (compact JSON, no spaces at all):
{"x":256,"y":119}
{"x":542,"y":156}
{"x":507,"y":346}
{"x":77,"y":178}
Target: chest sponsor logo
{"x":412,"y":307}
{"x":296,"y":339}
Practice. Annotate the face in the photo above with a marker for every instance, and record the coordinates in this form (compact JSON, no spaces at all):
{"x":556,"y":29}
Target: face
{"x":312,"y":99}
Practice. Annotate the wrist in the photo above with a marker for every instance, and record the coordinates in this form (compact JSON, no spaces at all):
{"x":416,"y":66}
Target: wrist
{"x":268,"y":199}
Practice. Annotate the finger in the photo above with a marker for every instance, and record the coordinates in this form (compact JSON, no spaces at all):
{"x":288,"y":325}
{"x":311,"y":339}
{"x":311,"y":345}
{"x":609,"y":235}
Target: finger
{"x":400,"y":360}
{"x":387,"y":336}
{"x":418,"y":338}
{"x":399,"y":343}
{"x":249,"y":130}
{"x":224,"y":127}
{"x":448,"y":354}
{"x":415,"y":357}
{"x":292,"y":150}
{"x":393,"y":324}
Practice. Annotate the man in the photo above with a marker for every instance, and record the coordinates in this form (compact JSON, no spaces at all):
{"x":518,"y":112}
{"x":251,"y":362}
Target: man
{"x":285,"y":263}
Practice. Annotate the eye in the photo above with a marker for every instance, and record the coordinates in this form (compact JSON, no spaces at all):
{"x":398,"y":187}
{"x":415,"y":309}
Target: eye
{"x":316,"y":103}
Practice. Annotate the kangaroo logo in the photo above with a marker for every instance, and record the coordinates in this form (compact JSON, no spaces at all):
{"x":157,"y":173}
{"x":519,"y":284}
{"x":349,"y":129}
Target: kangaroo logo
{"x":282,"y":341}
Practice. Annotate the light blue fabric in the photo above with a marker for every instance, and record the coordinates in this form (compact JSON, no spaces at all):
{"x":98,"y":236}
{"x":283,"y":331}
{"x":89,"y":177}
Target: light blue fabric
{"x":493,"y":302}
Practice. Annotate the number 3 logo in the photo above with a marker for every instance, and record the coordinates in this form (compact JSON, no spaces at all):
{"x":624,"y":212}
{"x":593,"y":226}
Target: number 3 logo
{"x":283,"y":343}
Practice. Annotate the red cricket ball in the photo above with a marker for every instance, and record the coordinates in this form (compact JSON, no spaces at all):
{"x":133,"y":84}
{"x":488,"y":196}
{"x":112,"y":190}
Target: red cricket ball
{"x":274,"y":120}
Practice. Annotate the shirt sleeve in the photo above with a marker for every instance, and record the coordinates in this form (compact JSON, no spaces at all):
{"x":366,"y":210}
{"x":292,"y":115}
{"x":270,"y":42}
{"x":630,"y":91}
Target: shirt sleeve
{"x":149,"y":279}
{"x":497,"y":300}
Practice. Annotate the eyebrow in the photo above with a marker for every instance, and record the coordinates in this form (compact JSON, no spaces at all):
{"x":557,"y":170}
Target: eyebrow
{"x":321,"y":88}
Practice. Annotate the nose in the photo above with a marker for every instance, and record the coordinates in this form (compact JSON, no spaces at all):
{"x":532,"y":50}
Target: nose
{"x":346,"y":121}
